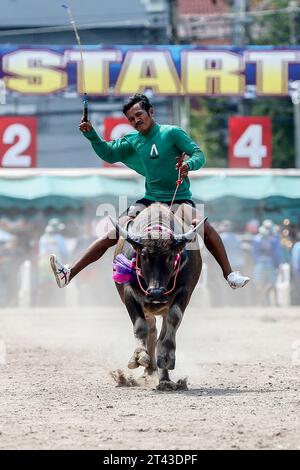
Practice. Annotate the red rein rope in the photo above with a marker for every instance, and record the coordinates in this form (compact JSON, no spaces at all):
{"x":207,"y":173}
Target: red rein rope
{"x":180,"y":178}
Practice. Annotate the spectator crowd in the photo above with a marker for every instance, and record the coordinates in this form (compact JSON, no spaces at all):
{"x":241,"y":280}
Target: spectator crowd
{"x":268,"y":253}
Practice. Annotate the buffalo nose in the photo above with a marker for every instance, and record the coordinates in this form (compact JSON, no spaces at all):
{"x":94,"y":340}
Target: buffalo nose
{"x":156,"y":291}
{"x":156,"y":294}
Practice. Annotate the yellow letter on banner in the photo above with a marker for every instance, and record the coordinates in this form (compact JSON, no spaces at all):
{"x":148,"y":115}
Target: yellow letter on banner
{"x":34,"y":71}
{"x":148,"y":69}
{"x":212,"y":72}
{"x":272,"y":70}
{"x":96,"y":69}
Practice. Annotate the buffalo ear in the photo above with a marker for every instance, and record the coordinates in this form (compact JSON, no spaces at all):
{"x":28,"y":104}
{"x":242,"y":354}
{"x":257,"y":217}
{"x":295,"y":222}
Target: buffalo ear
{"x":135,"y":243}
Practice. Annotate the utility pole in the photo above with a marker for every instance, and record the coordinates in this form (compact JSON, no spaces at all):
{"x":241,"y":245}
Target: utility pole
{"x":173,"y":19}
{"x":239,"y":25}
{"x":173,"y":39}
{"x":241,"y":38}
{"x":180,"y":105}
{"x":295,"y":96}
{"x":293,"y":8}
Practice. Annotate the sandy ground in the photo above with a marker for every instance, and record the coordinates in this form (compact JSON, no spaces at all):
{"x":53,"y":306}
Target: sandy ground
{"x":56,"y":391}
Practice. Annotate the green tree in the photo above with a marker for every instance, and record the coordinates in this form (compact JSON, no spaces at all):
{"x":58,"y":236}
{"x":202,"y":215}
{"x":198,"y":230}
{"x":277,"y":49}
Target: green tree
{"x":280,"y":28}
{"x":281,"y":112}
{"x":209,"y":128}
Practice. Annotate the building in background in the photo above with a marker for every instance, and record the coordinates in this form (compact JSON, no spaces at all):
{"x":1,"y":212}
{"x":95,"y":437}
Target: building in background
{"x":204,"y":22}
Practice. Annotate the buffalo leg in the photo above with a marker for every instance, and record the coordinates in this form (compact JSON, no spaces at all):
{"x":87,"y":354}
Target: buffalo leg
{"x":140,"y":356}
{"x":163,"y":372}
{"x":167,"y":346}
{"x":166,"y":351}
{"x":151,"y":345}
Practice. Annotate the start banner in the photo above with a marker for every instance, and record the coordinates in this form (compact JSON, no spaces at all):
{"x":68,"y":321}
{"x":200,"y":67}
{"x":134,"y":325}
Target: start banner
{"x":165,"y":70}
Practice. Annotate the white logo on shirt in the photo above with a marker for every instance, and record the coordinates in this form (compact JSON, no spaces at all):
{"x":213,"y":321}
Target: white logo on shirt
{"x":154,"y":152}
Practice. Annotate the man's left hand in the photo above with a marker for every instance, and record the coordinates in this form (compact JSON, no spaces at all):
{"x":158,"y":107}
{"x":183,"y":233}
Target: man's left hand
{"x":183,"y":169}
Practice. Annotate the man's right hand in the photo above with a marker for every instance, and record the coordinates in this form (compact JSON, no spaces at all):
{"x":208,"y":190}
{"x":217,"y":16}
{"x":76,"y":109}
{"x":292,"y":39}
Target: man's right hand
{"x":85,"y":126}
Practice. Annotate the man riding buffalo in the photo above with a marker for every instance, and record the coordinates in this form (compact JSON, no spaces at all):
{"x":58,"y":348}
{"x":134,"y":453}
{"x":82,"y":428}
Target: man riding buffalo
{"x":151,"y":151}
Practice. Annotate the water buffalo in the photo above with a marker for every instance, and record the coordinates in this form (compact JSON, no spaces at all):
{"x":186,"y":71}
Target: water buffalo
{"x":167,"y":271}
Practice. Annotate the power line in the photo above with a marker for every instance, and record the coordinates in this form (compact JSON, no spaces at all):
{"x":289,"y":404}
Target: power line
{"x":55,"y":29}
{"x":145,"y":24}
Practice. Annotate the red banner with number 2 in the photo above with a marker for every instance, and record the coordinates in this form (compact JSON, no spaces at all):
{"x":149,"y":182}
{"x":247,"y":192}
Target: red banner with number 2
{"x":250,"y":142}
{"x":18,"y":142}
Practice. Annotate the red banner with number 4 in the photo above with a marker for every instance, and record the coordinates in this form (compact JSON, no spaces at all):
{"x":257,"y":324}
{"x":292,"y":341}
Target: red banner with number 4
{"x":18,"y":142}
{"x":250,"y":142}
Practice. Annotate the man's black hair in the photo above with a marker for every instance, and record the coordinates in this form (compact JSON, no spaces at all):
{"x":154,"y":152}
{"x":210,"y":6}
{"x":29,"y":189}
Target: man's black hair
{"x":137,"y":98}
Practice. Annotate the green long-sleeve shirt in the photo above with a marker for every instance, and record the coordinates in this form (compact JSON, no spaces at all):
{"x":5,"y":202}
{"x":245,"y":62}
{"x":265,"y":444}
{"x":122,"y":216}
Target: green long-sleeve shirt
{"x":154,"y":156}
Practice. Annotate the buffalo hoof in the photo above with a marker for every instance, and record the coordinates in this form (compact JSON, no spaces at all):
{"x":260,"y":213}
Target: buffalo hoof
{"x":144,"y":359}
{"x":166,"y":361}
{"x":139,"y":358}
{"x":169,"y":386}
{"x":133,"y":364}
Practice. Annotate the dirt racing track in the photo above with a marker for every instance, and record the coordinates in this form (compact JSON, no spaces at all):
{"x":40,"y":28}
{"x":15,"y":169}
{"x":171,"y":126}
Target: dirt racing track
{"x":57,"y":392}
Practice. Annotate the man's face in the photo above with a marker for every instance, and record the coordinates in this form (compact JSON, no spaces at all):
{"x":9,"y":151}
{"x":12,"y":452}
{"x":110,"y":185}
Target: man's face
{"x":140,"y":119}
